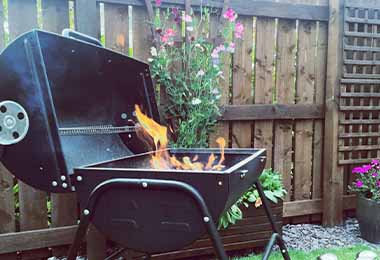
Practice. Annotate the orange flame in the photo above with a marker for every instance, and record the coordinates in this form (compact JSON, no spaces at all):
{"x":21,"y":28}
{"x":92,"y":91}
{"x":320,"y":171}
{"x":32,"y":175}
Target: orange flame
{"x":161,"y":158}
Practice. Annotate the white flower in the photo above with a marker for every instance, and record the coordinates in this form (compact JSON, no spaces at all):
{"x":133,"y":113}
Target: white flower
{"x":189,"y":28}
{"x":200,"y":73}
{"x":153,"y":51}
{"x":196,"y":101}
{"x":150,"y":59}
{"x":215,"y":91}
{"x":218,"y":97}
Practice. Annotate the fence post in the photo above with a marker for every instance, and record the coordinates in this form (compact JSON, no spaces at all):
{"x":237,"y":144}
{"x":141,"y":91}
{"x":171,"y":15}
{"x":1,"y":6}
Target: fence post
{"x":87,"y":18}
{"x":333,"y":173}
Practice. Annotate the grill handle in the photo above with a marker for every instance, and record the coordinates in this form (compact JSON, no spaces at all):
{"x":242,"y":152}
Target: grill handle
{"x":69,"y":33}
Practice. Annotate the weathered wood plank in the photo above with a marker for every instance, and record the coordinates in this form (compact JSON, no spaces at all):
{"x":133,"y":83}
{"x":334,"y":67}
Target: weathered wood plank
{"x":359,"y":122}
{"x":116,"y":27}
{"x":33,"y":211}
{"x":142,"y":37}
{"x":27,"y":9}
{"x":265,"y":29}
{"x":285,"y":74}
{"x":320,"y":79}
{"x":272,"y":112}
{"x":222,"y":129}
{"x":96,"y":244}
{"x":333,"y":174}
{"x":55,"y":15}
{"x":303,"y":11}
{"x":7,"y":203}
{"x":87,"y":17}
{"x":304,"y":95}
{"x":359,"y":148}
{"x":242,"y":86}
{"x":314,"y":206}
{"x":43,"y":238}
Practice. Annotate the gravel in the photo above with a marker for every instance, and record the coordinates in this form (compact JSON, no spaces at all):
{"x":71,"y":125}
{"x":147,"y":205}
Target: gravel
{"x":309,"y":237}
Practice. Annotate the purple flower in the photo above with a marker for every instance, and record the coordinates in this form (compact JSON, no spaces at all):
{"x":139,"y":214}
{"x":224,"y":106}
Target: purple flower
{"x":375,"y":174}
{"x":378,"y":183}
{"x":358,"y":170}
{"x":359,"y":183}
{"x":366,"y":168}
{"x":158,"y":2}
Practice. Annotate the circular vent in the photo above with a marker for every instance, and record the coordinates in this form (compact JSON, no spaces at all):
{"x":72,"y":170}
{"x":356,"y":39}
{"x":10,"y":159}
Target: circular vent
{"x":14,"y":123}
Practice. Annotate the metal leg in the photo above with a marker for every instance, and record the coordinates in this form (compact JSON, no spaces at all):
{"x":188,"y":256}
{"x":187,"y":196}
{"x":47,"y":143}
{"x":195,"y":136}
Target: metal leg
{"x":152,"y":185}
{"x":79,"y":235}
{"x":275,"y":229}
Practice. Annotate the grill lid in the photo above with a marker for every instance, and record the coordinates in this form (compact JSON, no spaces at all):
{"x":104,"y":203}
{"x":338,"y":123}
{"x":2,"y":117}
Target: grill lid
{"x":65,"y":103}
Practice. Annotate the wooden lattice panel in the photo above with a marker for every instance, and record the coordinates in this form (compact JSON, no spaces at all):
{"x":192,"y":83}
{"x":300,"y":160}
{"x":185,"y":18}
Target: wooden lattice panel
{"x":359,"y":135}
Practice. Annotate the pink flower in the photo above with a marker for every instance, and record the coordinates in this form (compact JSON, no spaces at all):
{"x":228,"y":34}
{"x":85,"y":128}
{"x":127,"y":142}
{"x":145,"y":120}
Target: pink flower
{"x":158,"y":2}
{"x":358,"y":170}
{"x":378,"y":183}
{"x":231,"y":47}
{"x":366,"y":168}
{"x":239,"y":30}
{"x":359,"y":183}
{"x":230,"y":15}
{"x":170,"y":32}
{"x":375,"y":174}
{"x":164,"y":38}
{"x":188,"y":18}
{"x":217,"y":50}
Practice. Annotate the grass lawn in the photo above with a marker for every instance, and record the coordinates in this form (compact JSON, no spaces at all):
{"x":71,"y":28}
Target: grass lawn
{"x":346,"y":253}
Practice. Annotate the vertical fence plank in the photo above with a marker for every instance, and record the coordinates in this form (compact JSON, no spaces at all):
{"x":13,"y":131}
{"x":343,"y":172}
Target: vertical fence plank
{"x":333,"y":174}
{"x":222,"y":128}
{"x":285,"y":73}
{"x":265,"y":49}
{"x":304,"y":95}
{"x":320,"y":77}
{"x":242,"y":82}
{"x":142,"y":36}
{"x":33,"y":211}
{"x":116,"y":27}
{"x":86,"y":17}
{"x":55,"y":15}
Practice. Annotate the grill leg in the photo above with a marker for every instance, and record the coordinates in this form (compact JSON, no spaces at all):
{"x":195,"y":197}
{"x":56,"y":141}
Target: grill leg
{"x":276,"y":236}
{"x":79,"y":235}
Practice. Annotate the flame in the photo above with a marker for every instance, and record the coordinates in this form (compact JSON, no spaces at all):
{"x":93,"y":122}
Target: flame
{"x":161,"y":158}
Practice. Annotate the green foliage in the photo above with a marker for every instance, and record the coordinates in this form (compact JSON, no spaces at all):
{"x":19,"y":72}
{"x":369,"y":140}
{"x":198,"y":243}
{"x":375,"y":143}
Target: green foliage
{"x":273,"y":189}
{"x":190,"y":73}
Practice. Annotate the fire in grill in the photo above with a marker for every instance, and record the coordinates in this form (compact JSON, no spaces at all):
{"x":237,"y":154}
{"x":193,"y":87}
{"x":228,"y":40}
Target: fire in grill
{"x":68,"y":124}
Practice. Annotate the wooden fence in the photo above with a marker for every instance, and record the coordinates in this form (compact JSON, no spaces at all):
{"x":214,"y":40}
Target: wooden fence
{"x":274,"y":96}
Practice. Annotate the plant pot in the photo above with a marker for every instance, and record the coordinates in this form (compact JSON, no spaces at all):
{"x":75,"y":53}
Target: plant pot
{"x":368,"y":214}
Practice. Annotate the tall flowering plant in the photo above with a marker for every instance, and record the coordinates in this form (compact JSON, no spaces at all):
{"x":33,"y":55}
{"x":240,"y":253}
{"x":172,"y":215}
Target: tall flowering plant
{"x":187,"y":66}
{"x":367,"y":182}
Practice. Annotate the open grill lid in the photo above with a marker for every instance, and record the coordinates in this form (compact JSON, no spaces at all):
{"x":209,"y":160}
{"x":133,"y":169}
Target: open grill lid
{"x":67,"y":102}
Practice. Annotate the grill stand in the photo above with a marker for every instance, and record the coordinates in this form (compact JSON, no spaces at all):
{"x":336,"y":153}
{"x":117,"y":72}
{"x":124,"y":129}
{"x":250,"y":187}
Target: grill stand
{"x":88,"y":213}
{"x":182,"y":187}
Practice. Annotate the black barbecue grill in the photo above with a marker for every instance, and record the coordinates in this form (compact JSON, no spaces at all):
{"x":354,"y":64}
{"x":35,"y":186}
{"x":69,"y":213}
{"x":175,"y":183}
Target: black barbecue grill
{"x":67,"y":124}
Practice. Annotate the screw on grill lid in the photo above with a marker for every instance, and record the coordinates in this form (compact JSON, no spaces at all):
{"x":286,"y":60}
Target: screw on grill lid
{"x":14,"y":122}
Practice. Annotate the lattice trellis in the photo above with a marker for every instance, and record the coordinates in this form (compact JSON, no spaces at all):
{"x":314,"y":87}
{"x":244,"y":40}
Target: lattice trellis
{"x":359,"y":135}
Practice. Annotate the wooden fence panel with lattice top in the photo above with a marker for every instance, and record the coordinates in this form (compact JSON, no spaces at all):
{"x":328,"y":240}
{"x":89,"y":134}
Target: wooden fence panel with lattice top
{"x":359,"y":136}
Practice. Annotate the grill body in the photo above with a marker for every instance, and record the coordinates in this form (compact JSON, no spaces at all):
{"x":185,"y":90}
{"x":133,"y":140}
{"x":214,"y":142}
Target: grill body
{"x":156,"y":221}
